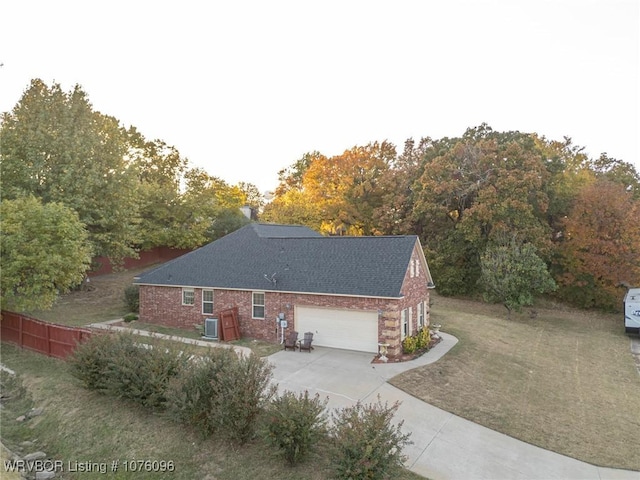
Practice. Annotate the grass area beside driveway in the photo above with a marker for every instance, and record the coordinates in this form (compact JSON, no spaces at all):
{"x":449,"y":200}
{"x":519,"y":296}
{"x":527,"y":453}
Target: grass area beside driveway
{"x":78,"y":425}
{"x":564,"y":380}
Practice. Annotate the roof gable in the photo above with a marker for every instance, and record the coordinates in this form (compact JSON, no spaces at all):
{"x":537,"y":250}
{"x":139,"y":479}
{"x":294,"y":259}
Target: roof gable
{"x":292,"y":259}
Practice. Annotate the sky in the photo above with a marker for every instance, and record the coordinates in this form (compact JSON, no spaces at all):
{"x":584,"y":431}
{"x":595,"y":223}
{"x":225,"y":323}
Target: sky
{"x":243,"y":88}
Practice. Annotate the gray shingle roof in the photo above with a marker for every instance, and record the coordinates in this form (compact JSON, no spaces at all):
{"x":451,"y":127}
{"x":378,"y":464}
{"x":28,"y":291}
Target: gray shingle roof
{"x":296,"y":258}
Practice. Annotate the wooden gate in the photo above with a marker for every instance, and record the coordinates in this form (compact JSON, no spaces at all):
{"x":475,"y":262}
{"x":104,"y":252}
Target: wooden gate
{"x":229,"y":326}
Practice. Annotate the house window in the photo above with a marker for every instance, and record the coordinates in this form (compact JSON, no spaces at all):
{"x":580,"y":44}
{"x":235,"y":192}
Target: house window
{"x":417,"y":267}
{"x":412,"y":268}
{"x":404,"y":322}
{"x":188,"y":296}
{"x":207,"y":301}
{"x":258,"y":305}
{"x":421,"y":315}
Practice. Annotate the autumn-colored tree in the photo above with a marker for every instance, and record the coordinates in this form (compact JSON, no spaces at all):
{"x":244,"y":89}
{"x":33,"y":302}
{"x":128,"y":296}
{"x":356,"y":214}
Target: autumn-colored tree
{"x":475,"y":190}
{"x":569,"y":171}
{"x":340,"y":193}
{"x":290,"y":178}
{"x":395,"y":214}
{"x":346,"y":188}
{"x":291,"y":203}
{"x":293,"y":207}
{"x":600,"y":247}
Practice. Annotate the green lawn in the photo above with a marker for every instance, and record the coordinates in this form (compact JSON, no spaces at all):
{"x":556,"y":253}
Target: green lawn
{"x":103,"y":300}
{"x":81,"y":425}
{"x":565,"y":380}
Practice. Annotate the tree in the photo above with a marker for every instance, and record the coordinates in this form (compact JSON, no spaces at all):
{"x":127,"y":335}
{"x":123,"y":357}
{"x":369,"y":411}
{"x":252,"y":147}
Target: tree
{"x":44,"y":252}
{"x":211,"y":207}
{"x":483,"y":186}
{"x":395,"y":214}
{"x":290,"y":178}
{"x":600,"y":246}
{"x":252,"y":196}
{"x":160,"y":170}
{"x":348,"y":189}
{"x":568,"y":169}
{"x":57,"y":148}
{"x":295,"y":208}
{"x":512,"y":273}
{"x":618,"y":171}
{"x":292,"y":203}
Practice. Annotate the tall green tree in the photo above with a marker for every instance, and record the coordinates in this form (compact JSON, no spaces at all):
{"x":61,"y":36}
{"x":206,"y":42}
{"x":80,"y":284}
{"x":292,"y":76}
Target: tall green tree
{"x":160,"y":170}
{"x":513,"y":273}
{"x":211,"y":206}
{"x":57,"y":148}
{"x":44,"y":252}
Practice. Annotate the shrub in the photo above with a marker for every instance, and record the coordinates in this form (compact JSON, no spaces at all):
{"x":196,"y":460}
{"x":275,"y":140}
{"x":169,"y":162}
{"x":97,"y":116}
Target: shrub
{"x":118,"y":365}
{"x":365,"y":443}
{"x":130,"y":317}
{"x":192,"y":395}
{"x":90,"y":361}
{"x":245,"y":391}
{"x":294,"y":424}
{"x":132,"y":298}
{"x":423,"y":338}
{"x":409,"y":344}
{"x":142,"y":374}
{"x":223,"y":394}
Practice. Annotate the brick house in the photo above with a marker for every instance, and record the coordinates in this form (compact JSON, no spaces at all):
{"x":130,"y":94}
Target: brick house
{"x":351,"y":292}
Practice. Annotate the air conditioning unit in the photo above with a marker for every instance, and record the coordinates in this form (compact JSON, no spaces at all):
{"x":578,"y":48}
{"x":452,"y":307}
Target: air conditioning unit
{"x":211,"y":328}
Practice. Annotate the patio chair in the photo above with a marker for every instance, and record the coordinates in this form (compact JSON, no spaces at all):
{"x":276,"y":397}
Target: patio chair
{"x":306,"y":343}
{"x":291,"y":341}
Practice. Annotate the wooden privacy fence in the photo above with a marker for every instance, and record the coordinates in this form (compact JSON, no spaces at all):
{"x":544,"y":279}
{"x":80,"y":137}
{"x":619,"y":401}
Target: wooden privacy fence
{"x":48,"y":338}
{"x":103,"y":266}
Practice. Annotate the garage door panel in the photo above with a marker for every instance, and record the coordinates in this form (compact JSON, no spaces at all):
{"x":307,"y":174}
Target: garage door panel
{"x":336,"y":328}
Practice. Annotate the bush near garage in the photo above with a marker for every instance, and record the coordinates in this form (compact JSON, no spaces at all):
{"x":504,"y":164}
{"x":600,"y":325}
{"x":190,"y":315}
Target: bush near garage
{"x":223,"y":393}
{"x":365,"y":442}
{"x":295,"y":423}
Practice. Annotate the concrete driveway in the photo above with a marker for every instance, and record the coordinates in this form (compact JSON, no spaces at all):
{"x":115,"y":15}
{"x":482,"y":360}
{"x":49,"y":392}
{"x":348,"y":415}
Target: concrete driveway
{"x":444,"y":446}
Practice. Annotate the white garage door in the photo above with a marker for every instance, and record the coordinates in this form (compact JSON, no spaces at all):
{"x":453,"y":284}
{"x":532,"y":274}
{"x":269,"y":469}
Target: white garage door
{"x":348,"y":329}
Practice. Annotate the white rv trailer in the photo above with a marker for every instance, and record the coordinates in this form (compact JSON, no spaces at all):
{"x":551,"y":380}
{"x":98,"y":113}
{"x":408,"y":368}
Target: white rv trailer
{"x":632,"y":311}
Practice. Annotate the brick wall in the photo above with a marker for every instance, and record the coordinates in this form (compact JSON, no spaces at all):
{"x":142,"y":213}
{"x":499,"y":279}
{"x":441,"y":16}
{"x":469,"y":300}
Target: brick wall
{"x":163,"y":305}
{"x":414,"y":290}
